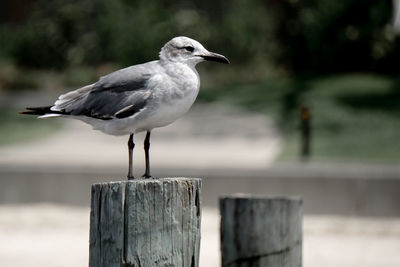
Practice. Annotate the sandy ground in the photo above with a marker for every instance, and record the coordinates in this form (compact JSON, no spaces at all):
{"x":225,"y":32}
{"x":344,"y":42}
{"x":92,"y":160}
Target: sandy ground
{"x":44,"y":235}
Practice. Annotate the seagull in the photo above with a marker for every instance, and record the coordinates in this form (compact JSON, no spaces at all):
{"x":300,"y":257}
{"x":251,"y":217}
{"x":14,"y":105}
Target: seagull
{"x":138,"y":98}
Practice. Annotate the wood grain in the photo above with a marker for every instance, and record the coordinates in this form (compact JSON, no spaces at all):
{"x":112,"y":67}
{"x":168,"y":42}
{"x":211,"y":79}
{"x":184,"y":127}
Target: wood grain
{"x":151,"y":222}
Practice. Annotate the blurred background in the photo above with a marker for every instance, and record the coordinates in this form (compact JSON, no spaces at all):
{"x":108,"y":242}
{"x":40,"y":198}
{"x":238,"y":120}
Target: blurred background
{"x":309,"y":106}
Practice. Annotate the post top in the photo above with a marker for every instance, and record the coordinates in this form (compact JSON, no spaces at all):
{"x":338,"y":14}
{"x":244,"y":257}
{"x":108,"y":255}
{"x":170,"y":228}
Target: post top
{"x":153,"y":180}
{"x":244,"y":196}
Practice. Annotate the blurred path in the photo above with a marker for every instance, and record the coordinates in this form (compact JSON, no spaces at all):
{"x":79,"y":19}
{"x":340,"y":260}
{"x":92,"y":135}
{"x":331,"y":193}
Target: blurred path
{"x":209,"y":136}
{"x":43,"y":232}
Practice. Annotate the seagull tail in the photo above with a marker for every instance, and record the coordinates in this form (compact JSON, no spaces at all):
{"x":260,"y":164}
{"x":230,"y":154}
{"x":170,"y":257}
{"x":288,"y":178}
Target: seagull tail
{"x":42,"y":111}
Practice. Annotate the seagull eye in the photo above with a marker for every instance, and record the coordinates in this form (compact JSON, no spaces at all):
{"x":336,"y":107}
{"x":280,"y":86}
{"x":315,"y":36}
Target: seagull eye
{"x":189,"y":48}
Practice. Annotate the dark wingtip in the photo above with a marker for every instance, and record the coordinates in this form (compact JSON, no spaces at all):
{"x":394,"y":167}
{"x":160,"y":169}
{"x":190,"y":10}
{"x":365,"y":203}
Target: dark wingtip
{"x":36,"y":111}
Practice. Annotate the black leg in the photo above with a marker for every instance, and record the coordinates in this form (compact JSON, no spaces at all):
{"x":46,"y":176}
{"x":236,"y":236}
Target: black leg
{"x":146,"y":153}
{"x":131,"y":146}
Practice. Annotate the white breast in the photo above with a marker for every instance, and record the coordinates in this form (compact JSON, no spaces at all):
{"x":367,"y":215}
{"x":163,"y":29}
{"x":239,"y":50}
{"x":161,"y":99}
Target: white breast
{"x":174,"y":93}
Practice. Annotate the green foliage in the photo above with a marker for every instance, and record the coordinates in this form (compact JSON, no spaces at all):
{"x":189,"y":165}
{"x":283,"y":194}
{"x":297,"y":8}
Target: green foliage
{"x":65,"y":33}
{"x":317,"y":36}
{"x":57,"y":34}
{"x":325,"y":36}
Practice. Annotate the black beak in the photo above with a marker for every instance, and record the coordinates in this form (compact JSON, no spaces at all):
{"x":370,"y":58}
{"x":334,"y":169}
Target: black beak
{"x":215,"y":57}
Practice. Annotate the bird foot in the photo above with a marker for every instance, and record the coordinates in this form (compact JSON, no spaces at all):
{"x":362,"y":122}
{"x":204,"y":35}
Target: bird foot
{"x":130,"y":177}
{"x":146,"y":176}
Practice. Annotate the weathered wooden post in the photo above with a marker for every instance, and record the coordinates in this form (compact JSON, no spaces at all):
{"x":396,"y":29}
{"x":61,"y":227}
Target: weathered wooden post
{"x":151,"y":222}
{"x":261,"y":231}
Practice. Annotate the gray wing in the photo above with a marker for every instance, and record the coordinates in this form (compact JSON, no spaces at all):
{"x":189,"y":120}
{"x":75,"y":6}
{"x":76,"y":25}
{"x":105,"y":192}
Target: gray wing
{"x":117,"y":95}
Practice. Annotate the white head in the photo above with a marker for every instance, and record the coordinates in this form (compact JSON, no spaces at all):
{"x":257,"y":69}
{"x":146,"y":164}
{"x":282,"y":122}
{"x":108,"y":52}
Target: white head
{"x":189,"y":51}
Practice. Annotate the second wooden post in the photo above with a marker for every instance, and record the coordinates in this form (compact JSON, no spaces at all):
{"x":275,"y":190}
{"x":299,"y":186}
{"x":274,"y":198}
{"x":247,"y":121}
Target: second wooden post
{"x":261,"y":231}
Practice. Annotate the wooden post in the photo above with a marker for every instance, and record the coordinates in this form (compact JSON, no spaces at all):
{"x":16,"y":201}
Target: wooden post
{"x":261,"y":231}
{"x":305,"y":125}
{"x":151,"y":222}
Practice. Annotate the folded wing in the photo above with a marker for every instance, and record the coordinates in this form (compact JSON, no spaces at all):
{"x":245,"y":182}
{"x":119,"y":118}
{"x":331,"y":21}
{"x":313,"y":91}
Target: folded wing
{"x":118,"y":95}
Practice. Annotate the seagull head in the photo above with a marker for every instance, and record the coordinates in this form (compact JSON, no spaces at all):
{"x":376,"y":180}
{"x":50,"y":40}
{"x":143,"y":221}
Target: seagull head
{"x":185,"y":50}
